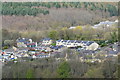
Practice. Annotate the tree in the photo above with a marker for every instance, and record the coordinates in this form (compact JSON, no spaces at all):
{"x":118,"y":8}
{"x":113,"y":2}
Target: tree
{"x":63,"y":70}
{"x":53,"y":34}
{"x":88,"y":32}
{"x":78,"y":32}
{"x":29,"y":73}
{"x":5,"y":34}
{"x":114,"y":36}
{"x":57,"y":5}
{"x":9,"y":42}
{"x":108,"y":68}
{"x":94,"y":73}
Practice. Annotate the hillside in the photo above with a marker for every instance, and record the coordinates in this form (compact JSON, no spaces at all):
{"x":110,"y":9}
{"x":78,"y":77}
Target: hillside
{"x":34,"y":8}
{"x":42,"y":16}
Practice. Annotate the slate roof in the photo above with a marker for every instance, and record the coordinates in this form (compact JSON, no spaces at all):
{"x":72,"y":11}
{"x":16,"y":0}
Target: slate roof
{"x":56,"y":47}
{"x":31,"y":43}
{"x":59,"y":40}
{"x":65,"y":40}
{"x":22,"y":40}
{"x":84,"y":42}
{"x":46,"y":39}
{"x":89,"y":43}
{"x":78,"y":41}
{"x":104,"y":23}
{"x":9,"y":50}
{"x":72,"y":41}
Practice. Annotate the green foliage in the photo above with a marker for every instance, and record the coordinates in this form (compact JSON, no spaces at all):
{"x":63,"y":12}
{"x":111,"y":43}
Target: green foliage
{"x":63,"y":70}
{"x":53,"y":34}
{"x":77,"y":53}
{"x":32,"y":8}
{"x":119,"y":34}
{"x":50,"y":68}
{"x":53,"y":44}
{"x":114,"y":36}
{"x":109,"y":68}
{"x":118,"y":71}
{"x":8,"y":37}
{"x":112,"y":9}
{"x":57,"y":5}
{"x":5,"y":47}
{"x":94,"y":73}
{"x":22,"y":9}
{"x":9,"y":42}
{"x":79,"y":47}
{"x":29,"y":73}
{"x":103,"y":44}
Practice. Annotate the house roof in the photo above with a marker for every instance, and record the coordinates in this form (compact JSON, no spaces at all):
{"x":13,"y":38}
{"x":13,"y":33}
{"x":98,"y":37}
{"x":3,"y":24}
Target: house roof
{"x":78,"y":41}
{"x":22,"y":39}
{"x":71,"y":41}
{"x":56,"y":47}
{"x":23,"y":48}
{"x":84,"y":42}
{"x":65,"y":40}
{"x":9,"y":50}
{"x":104,"y":23}
{"x":59,"y":40}
{"x":46,"y":39}
{"x":31,"y":43}
{"x":89,"y":43}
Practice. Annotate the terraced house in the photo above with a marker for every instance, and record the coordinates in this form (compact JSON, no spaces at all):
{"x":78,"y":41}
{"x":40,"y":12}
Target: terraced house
{"x":87,"y":45}
{"x":25,"y":42}
{"x":22,"y":42}
{"x":46,"y":41}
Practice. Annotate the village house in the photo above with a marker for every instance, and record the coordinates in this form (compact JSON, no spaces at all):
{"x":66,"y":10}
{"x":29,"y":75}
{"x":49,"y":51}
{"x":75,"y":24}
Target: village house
{"x":46,"y":41}
{"x":25,"y":55}
{"x":59,"y":42}
{"x":90,"y":45}
{"x":7,"y":55}
{"x":105,"y":23}
{"x":87,"y":45}
{"x":23,"y":50}
{"x":72,"y":27}
{"x":43,"y":56}
{"x":68,"y":43}
{"x":71,"y":43}
{"x":32,"y":45}
{"x":22,"y":42}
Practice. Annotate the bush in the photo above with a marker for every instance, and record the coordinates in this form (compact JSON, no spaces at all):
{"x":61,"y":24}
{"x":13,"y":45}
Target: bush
{"x":8,"y":42}
{"x":63,"y":70}
{"x":29,"y":73}
{"x":5,"y":47}
{"x":102,"y":45}
{"x":53,"y":44}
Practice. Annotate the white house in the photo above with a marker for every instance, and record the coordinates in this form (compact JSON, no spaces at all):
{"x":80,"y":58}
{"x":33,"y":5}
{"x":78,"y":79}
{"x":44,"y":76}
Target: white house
{"x":72,"y":27}
{"x":87,"y":45}
{"x":59,"y":42}
{"x":46,"y":41}
{"x":105,"y":23}
{"x":72,"y":43}
{"x":33,"y":44}
{"x":21,"y":42}
{"x":68,"y":43}
{"x":92,"y":46}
